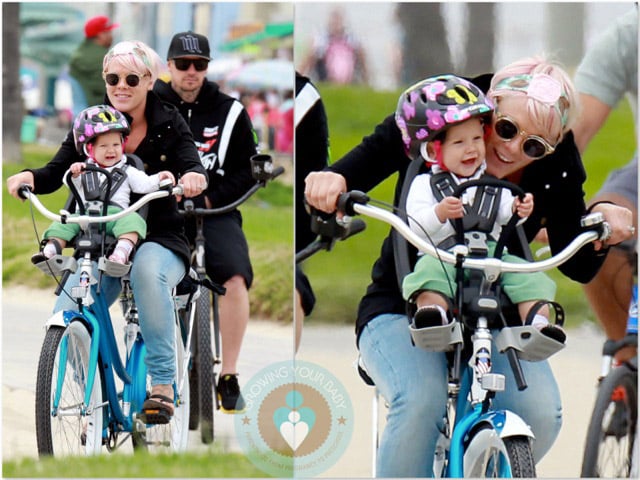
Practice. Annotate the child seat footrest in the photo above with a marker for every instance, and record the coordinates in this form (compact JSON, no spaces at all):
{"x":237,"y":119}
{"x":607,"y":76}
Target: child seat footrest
{"x":437,"y":339}
{"x":57,"y":265}
{"x":530,"y":344}
{"x":113,"y":269}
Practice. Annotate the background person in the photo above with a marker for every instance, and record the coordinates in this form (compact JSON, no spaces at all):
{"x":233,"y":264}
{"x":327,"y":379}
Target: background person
{"x":159,"y":136}
{"x":225,"y":140}
{"x":85,"y":66}
{"x":607,"y":73}
{"x":538,"y":153}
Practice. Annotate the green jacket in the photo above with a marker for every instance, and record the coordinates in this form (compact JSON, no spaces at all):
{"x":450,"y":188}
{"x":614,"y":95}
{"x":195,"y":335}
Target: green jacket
{"x":86,"y":67}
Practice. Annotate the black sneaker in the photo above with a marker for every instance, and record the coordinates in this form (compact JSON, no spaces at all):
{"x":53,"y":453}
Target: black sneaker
{"x":229,"y":395}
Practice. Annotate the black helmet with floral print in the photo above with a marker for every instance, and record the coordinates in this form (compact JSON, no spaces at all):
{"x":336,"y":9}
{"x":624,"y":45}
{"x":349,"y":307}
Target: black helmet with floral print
{"x":429,"y":107}
{"x":96,"y":120}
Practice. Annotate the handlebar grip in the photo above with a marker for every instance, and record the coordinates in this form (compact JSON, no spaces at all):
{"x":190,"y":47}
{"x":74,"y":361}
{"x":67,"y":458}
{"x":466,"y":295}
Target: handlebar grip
{"x":347,"y":200}
{"x":512,"y":355}
{"x":277,"y":171}
{"x":22,"y":189}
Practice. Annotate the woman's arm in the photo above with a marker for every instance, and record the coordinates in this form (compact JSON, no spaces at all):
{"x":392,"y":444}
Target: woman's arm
{"x":374,"y":159}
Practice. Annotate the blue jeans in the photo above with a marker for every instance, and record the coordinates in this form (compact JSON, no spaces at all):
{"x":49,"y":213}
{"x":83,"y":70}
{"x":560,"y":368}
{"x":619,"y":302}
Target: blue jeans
{"x":413,"y":383}
{"x":154,"y":273}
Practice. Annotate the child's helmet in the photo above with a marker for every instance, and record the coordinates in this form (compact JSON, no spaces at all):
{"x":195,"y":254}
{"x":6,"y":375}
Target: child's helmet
{"x":429,"y":107}
{"x":96,"y":120}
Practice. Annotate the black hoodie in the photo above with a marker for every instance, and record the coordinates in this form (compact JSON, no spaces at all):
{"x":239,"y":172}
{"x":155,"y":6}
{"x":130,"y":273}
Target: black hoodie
{"x":224,"y":137}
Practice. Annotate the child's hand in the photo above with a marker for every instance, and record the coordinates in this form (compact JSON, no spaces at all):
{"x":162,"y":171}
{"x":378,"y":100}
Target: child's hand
{"x":76,"y":168}
{"x":449,"y":207}
{"x":165,"y":174}
{"x":523,"y":208}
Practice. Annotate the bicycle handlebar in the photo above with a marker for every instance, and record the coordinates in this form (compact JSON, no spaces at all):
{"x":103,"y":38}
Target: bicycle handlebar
{"x":64,"y":216}
{"x":261,"y":177}
{"x":357,"y":203}
{"x":329,"y":230}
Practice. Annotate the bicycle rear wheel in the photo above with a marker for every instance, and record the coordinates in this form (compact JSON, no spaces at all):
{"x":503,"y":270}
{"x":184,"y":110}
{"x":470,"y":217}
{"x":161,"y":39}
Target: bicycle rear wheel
{"x":204,"y":362}
{"x":612,"y":431}
{"x":68,"y":429}
{"x":486,"y":455}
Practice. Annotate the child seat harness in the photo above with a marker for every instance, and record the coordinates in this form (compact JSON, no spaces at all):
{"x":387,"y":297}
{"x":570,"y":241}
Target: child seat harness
{"x":479,"y":217}
{"x":96,"y":190}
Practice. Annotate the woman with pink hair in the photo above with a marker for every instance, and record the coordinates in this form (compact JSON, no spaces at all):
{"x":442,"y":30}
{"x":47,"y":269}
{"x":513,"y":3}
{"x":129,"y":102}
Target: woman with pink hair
{"x":530,"y":143}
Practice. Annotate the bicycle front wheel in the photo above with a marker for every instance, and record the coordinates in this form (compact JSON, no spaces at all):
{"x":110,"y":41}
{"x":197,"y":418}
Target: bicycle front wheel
{"x":71,"y":427}
{"x":612,"y":431}
{"x":486,"y":455}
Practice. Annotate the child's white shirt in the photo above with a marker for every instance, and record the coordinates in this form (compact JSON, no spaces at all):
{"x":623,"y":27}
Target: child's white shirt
{"x":421,"y":204}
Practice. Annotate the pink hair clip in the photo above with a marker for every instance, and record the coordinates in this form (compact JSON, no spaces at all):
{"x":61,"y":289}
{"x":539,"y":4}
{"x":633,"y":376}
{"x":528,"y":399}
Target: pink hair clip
{"x":544,"y":88}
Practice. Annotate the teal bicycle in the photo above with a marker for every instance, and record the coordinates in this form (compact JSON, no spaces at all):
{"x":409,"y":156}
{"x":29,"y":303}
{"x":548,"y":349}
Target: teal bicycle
{"x":89,"y":388}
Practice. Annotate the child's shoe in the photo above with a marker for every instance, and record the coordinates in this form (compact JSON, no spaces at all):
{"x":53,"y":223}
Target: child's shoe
{"x":430,"y":316}
{"x":50,"y":249}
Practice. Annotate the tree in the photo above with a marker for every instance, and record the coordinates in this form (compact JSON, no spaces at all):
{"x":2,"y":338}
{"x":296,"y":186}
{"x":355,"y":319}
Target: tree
{"x":480,"y":39}
{"x":12,"y":109}
{"x":425,"y":50}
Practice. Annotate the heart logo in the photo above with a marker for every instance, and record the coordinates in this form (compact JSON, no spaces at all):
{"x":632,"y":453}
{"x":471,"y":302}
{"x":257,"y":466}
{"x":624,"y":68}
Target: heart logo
{"x":294,"y":423}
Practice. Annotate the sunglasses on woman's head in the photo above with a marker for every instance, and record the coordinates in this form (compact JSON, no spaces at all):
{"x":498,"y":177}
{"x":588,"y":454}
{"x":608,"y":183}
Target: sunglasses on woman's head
{"x":132,"y":79}
{"x":533,"y":146}
{"x":183,"y":64}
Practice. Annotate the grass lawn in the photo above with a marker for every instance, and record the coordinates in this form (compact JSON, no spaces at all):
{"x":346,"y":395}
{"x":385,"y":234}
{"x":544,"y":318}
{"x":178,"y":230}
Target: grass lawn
{"x":340,"y":277}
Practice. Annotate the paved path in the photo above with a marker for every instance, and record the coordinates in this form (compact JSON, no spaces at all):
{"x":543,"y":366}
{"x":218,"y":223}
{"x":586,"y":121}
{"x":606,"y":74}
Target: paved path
{"x":332,"y":347}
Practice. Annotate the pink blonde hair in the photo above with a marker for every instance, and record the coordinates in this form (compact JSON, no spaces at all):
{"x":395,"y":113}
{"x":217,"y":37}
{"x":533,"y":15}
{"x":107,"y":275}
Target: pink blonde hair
{"x":545,"y":116}
{"x":136,"y":57}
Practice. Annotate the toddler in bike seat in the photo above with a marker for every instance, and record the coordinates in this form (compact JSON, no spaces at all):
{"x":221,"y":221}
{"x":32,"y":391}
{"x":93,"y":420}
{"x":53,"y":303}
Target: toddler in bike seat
{"x":444,"y":120}
{"x":100,"y":133}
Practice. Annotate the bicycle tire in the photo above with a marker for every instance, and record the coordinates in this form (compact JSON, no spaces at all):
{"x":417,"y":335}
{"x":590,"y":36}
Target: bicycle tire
{"x":68,"y":434}
{"x":612,"y":429}
{"x":194,"y":407}
{"x":204,"y":361}
{"x":173,"y":436}
{"x":486,"y":455}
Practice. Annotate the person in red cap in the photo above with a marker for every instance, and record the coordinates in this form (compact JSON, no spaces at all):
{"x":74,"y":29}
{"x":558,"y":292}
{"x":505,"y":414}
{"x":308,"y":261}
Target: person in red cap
{"x":85,"y":65}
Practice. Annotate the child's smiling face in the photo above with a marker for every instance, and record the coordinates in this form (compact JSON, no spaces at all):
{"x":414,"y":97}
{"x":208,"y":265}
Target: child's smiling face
{"x":463,"y":149}
{"x":107,"y":148}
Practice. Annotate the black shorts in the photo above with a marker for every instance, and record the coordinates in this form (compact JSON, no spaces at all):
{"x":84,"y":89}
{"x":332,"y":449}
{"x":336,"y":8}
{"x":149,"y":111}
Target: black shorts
{"x":226,"y":248}
{"x":308,"y":299}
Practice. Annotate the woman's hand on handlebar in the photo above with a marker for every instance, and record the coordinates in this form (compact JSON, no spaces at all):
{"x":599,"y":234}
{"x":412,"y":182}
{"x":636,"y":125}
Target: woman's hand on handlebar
{"x":16,"y":181}
{"x":620,"y":220}
{"x":193,"y":184}
{"x":322,"y":190}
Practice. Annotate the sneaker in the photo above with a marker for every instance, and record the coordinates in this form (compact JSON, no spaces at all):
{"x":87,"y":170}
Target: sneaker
{"x":229,"y":395}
